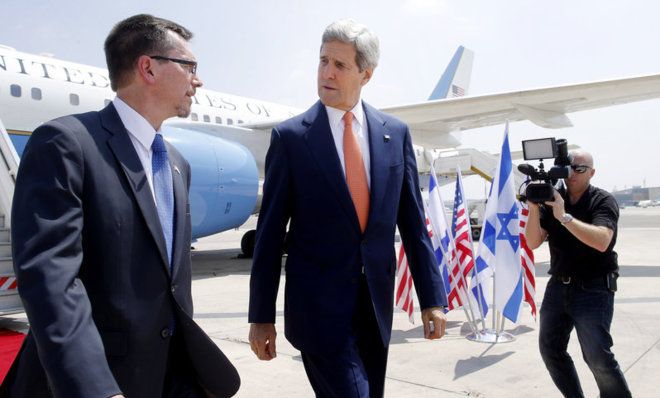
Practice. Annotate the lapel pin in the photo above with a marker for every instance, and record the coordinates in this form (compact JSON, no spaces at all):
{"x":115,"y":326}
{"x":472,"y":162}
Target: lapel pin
{"x":176,"y":168}
{"x":386,"y":138}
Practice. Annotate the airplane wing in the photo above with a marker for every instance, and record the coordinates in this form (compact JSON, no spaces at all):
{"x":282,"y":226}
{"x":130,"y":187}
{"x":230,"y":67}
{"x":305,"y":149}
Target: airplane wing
{"x":431,"y":122}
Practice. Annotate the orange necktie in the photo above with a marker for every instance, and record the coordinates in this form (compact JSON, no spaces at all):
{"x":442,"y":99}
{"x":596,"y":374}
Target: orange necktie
{"x":356,"y":175}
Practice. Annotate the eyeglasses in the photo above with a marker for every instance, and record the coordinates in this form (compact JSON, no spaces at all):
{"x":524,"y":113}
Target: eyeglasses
{"x":580,"y":168}
{"x":192,"y":65}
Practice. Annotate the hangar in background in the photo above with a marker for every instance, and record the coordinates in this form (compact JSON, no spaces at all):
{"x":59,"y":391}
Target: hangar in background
{"x":633,"y":196}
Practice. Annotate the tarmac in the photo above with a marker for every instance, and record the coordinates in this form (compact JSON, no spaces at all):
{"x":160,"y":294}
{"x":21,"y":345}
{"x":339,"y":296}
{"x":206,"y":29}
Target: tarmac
{"x":452,"y":366}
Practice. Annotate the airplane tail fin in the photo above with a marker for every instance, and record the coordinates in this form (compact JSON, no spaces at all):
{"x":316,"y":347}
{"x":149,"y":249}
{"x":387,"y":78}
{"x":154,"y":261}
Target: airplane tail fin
{"x":455,"y":81}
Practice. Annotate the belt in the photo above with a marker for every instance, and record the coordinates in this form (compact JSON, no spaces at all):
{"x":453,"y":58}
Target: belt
{"x":574,"y":280}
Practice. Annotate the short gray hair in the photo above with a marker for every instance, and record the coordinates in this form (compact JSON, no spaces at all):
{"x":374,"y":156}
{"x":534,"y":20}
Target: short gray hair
{"x":366,"y":44}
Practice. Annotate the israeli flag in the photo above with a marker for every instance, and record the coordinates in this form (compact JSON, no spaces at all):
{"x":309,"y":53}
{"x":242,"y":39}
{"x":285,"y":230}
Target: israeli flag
{"x":499,"y":248}
{"x":440,"y":237}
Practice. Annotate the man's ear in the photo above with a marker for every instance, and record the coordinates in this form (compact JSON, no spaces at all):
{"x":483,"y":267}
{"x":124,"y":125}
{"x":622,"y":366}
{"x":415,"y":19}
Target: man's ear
{"x":146,"y":69}
{"x":367,"y":76}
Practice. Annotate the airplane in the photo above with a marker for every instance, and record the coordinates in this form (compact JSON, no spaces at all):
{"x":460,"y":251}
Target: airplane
{"x":226,"y":137}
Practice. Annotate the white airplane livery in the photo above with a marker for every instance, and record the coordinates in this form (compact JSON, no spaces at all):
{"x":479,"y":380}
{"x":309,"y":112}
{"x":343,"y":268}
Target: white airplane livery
{"x":226,"y":137}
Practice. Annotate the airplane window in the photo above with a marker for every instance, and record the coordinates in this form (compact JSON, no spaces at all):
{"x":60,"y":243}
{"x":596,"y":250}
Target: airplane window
{"x":218,"y":119}
{"x":230,"y":121}
{"x":15,"y":90}
{"x":207,"y":118}
{"x":193,"y":117}
{"x":107,"y":102}
{"x":74,"y":99}
{"x":36,"y":93}
{"x":240,"y":121}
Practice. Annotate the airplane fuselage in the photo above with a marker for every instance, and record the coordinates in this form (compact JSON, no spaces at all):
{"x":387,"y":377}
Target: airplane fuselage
{"x":34,"y":89}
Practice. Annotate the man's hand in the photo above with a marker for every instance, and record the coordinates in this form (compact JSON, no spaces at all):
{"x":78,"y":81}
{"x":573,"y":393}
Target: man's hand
{"x":435,"y":316}
{"x":262,"y":340}
{"x":557,"y":206}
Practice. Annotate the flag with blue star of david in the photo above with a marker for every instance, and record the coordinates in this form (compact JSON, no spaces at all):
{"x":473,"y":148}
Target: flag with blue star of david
{"x":441,"y":239}
{"x":499,"y":248}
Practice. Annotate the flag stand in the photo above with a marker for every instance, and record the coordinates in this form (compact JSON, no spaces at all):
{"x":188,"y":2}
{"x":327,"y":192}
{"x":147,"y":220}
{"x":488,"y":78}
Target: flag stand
{"x":490,"y":336}
{"x":497,"y":333}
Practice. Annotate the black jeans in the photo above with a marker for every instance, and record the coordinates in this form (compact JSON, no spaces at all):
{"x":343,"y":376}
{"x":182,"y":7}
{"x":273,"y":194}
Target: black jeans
{"x":588,"y":306}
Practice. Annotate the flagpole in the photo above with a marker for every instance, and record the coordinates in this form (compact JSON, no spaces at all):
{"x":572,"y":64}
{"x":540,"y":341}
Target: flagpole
{"x":480,"y":295}
{"x":502,"y":325}
{"x":495,"y":311}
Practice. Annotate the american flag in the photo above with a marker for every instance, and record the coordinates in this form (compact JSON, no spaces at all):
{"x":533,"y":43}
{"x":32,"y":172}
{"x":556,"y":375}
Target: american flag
{"x":527,"y":261}
{"x":460,"y":226}
{"x":404,"y":286}
{"x":457,"y":91}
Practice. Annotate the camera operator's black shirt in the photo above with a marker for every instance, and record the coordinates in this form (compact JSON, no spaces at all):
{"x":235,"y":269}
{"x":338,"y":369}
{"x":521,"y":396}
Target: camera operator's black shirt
{"x":568,"y":255}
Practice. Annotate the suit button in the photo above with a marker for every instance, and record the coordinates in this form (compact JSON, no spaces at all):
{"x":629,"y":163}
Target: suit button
{"x":165,"y":333}
{"x":173,"y":289}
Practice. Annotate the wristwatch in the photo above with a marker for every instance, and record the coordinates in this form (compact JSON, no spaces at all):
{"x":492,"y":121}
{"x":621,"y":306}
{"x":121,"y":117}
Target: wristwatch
{"x":566,"y":218}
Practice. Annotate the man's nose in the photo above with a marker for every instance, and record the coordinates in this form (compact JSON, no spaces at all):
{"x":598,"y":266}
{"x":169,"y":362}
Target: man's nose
{"x":327,"y":72}
{"x":197,"y":82}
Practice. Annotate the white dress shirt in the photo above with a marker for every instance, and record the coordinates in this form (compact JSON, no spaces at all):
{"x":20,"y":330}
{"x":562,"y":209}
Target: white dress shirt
{"x":359,"y":128}
{"x":142,"y":135}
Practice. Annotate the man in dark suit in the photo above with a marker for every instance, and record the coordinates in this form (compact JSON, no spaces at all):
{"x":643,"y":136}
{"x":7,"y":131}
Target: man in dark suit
{"x":101,"y":238}
{"x":344,"y":175}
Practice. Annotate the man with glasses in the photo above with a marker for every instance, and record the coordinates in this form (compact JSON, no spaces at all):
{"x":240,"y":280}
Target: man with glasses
{"x":101,"y":238}
{"x":581,"y":228}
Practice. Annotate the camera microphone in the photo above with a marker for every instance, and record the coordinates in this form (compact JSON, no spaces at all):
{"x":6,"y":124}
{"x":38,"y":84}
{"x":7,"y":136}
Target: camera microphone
{"x":527,"y":169}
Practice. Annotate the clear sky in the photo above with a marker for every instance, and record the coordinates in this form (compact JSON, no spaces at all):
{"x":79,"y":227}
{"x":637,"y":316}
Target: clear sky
{"x":269,"y":50}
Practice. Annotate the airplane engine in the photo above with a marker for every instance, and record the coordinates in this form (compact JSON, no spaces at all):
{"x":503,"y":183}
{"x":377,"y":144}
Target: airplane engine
{"x":225,"y":180}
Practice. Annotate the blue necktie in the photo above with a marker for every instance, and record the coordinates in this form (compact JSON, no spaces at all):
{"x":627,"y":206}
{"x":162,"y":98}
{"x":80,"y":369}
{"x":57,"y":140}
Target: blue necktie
{"x":164,"y":191}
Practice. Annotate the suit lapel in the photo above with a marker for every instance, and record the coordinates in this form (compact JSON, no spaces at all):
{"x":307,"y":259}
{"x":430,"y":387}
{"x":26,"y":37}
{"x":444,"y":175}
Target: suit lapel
{"x":380,"y":150}
{"x":180,"y":200}
{"x":122,"y":146}
{"x":320,"y":142}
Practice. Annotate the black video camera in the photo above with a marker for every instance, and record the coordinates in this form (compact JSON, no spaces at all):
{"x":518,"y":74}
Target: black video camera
{"x":540,"y":187}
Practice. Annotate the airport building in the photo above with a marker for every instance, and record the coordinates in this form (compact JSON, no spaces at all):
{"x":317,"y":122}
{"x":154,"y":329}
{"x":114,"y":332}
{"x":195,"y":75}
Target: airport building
{"x":632,"y":196}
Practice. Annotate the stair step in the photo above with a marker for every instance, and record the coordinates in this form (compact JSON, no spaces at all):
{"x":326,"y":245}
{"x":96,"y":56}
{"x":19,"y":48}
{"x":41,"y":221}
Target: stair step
{"x":5,"y":235}
{"x":10,"y":302}
{"x":6,"y":266}
{"x":5,"y":249}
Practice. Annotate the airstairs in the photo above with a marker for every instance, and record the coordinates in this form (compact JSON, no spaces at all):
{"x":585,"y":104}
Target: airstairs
{"x":10,"y":302}
{"x":471,"y":162}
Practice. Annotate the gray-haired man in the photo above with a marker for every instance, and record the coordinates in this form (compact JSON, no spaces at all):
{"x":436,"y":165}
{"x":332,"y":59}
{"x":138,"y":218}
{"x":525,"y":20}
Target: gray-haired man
{"x":344,"y":175}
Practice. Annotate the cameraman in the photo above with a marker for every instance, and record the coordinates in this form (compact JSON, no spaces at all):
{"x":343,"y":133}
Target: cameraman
{"x":581,"y":226}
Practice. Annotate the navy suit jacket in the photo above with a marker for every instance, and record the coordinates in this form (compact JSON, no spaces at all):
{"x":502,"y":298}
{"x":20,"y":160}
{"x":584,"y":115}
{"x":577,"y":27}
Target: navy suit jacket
{"x":92,"y":269}
{"x":304,"y":184}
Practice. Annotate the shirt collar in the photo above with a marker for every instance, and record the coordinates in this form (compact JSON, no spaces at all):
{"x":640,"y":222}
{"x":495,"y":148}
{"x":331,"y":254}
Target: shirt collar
{"x":335,"y":115}
{"x":135,"y":123}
